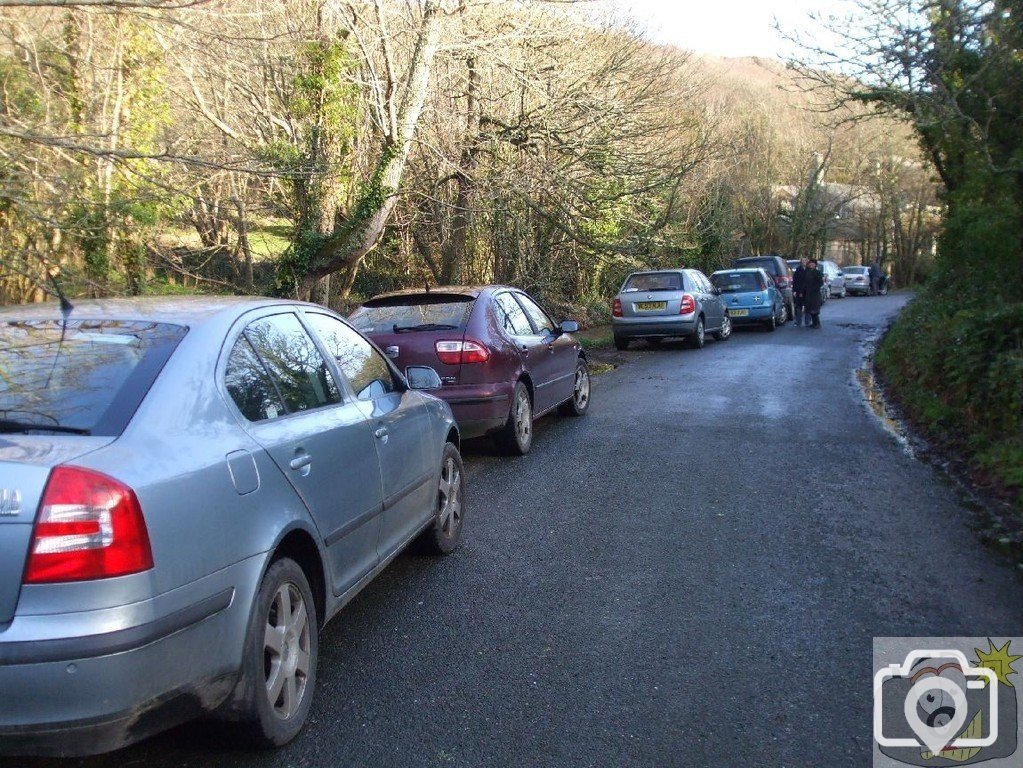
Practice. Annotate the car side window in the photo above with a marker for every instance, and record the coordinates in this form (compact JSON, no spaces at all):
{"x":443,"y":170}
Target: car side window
{"x":249,"y":385}
{"x":541,"y":321}
{"x":692,"y":281}
{"x":365,"y":368}
{"x":511,"y":316}
{"x":293,"y":361}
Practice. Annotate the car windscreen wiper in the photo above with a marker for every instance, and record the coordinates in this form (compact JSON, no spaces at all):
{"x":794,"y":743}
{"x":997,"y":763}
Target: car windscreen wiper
{"x":10,"y":425}
{"x":424,"y":327}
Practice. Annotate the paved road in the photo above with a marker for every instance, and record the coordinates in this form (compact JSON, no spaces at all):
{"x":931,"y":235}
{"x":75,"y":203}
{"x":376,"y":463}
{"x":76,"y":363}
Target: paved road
{"x":689,"y":576}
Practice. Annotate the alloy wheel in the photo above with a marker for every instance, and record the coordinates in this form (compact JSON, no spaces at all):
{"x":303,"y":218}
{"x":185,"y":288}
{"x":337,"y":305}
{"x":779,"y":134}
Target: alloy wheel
{"x":286,"y":651}
{"x":523,"y":418}
{"x":582,"y":388}
{"x":450,"y":497}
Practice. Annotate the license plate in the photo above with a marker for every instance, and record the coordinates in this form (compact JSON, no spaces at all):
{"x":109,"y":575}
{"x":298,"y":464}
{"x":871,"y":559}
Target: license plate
{"x":738,"y":312}
{"x":651,"y":304}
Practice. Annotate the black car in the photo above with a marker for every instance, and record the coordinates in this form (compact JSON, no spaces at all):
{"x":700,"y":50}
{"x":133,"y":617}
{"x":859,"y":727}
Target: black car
{"x":779,"y":271}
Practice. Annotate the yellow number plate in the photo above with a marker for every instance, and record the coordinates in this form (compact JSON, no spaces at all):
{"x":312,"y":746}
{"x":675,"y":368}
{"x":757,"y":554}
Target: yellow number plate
{"x":651,"y":304}
{"x":738,"y":312}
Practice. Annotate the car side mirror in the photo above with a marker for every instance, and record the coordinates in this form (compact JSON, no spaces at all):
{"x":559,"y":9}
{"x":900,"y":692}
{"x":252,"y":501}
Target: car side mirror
{"x":568,"y":326}
{"x":422,"y":377}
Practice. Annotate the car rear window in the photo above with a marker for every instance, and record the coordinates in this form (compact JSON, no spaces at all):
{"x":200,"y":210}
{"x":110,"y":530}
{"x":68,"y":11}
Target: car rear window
{"x":737,"y":282}
{"x":855,"y":270}
{"x":768,"y":264}
{"x":90,"y":375}
{"x":653,"y":281}
{"x":422,"y":312}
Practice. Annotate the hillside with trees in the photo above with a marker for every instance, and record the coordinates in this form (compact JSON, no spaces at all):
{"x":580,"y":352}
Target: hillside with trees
{"x":333,"y":150}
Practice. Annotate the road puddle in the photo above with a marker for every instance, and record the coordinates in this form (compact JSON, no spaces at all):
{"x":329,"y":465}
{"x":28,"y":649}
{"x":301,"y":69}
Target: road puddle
{"x":878,"y":405}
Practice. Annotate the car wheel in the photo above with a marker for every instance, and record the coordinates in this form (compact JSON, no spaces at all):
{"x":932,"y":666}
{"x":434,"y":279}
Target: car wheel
{"x":621,"y":344}
{"x":726,"y":329}
{"x":516,"y":437}
{"x":279,"y":663}
{"x":698,"y":339}
{"x":771,"y":323}
{"x":445,"y":534}
{"x":883,"y":290}
{"x":580,"y":394}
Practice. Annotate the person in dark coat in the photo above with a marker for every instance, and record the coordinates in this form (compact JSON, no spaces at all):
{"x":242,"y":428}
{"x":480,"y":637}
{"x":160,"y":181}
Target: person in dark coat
{"x":798,"y":278}
{"x":813,"y":282}
{"x":875,"y":277}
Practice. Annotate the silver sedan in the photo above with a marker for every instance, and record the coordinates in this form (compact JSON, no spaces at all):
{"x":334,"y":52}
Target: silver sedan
{"x":189,"y":489}
{"x":671,"y":302}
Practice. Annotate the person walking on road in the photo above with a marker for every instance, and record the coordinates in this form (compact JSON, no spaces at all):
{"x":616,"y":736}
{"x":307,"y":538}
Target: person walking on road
{"x":813,"y":282}
{"x":875,"y":277}
{"x":798,"y":279}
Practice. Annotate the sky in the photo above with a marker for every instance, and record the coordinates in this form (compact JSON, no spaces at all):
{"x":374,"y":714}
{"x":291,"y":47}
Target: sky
{"x":729,"y":27}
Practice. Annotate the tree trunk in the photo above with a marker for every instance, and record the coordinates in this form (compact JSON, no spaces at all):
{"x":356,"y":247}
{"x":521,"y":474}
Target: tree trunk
{"x":348,"y":245}
{"x":455,"y":250}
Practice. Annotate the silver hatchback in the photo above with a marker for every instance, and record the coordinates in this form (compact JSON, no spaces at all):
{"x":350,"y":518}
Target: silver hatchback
{"x":189,"y":489}
{"x":669,"y":302}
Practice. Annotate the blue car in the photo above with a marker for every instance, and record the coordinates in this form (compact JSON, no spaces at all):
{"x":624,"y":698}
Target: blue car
{"x":751,"y":297}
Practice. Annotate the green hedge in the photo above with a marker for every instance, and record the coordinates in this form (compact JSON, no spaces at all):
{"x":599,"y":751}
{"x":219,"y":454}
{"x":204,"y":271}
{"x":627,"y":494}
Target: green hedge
{"x":955,"y":365}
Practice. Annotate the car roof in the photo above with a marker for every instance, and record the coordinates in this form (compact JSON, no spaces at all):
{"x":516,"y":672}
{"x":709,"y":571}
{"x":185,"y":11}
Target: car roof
{"x":677,"y":270}
{"x":470,"y":291}
{"x":739,"y":269}
{"x":179,"y":310}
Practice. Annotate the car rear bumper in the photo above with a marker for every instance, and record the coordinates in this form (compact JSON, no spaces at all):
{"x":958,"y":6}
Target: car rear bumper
{"x":756,"y":315}
{"x":100,"y":690}
{"x":864,"y":289}
{"x":478,"y":408}
{"x":644,"y":327}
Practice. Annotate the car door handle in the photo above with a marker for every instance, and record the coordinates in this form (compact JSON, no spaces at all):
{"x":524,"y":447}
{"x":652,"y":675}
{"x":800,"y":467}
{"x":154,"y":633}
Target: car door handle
{"x":381,"y":434}
{"x":301,"y":462}
{"x":523,"y":349}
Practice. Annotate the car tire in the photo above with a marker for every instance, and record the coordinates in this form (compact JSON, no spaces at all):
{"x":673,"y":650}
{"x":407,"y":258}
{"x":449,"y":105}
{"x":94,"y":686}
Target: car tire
{"x":726,"y":329}
{"x":444,"y":534}
{"x":771,"y":323}
{"x":516,"y":436}
{"x":621,"y":344}
{"x":579,"y":403}
{"x":698,"y":339}
{"x":270,"y":721}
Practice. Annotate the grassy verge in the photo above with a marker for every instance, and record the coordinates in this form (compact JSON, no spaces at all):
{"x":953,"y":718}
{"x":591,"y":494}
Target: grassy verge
{"x":598,"y":337}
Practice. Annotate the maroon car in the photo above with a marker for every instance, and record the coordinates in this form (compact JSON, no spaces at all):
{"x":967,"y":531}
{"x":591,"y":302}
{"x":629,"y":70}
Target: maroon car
{"x":502,"y":361}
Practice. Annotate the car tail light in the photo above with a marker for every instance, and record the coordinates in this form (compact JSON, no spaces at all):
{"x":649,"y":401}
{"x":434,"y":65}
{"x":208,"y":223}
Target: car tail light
{"x":456,"y":352}
{"x":616,"y":308}
{"x":89,"y":526}
{"x":781,"y":281}
{"x":688,"y":305}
